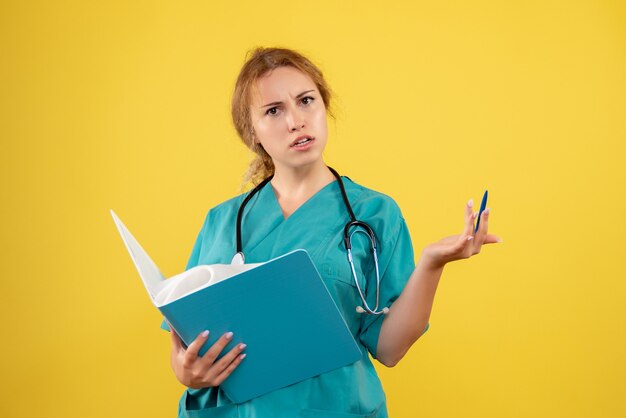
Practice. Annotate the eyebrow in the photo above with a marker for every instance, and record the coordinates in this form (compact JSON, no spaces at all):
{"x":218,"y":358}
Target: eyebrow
{"x":297,"y":97}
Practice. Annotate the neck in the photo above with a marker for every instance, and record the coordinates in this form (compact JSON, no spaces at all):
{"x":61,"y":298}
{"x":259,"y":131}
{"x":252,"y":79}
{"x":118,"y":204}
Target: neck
{"x":292,"y":182}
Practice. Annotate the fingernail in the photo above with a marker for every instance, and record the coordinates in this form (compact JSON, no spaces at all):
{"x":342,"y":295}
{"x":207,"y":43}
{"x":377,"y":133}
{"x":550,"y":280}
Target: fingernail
{"x":205,"y":334}
{"x":475,"y":215}
{"x":242,"y":346}
{"x":470,"y":203}
{"x":469,"y":238}
{"x":486,"y":211}
{"x":243,"y":356}
{"x":499,"y":240}
{"x":229,"y":335}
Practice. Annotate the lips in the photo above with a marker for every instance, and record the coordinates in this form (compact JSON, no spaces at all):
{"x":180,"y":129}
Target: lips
{"x":301,"y":140}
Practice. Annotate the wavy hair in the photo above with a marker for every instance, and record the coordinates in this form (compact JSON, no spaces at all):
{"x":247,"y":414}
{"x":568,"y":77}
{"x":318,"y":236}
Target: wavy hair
{"x":259,"y":62}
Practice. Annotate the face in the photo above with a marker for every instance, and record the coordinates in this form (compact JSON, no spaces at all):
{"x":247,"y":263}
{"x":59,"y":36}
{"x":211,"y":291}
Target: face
{"x":289,"y":118}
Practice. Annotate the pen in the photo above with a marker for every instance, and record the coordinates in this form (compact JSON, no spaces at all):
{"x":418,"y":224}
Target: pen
{"x":482,"y":208}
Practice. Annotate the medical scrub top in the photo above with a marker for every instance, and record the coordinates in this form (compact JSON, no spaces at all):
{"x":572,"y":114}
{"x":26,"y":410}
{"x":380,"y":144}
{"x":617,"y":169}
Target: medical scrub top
{"x":316,"y":226}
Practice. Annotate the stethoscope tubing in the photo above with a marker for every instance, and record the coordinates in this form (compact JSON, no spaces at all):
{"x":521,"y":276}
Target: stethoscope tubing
{"x":347,"y":239}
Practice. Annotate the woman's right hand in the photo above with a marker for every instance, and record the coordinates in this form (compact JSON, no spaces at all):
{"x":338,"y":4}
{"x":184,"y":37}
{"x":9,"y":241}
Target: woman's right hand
{"x":204,"y":371}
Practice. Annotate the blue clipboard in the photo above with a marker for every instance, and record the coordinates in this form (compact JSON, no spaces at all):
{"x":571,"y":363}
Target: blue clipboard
{"x":281,"y":309}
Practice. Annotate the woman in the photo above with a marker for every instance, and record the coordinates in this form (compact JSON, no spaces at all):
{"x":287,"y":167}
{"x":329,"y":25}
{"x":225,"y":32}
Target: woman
{"x":280,"y":106}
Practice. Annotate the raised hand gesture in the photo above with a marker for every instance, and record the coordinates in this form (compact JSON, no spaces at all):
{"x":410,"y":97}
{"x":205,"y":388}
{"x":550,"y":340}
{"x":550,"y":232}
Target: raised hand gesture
{"x":465,"y":245}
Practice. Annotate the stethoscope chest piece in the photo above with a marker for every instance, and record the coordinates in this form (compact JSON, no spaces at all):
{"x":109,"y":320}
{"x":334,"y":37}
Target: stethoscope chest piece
{"x":238,"y":259}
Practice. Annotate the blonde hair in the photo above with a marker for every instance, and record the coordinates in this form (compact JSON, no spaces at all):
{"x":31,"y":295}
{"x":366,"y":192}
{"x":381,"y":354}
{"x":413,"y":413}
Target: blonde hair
{"x":261,"y":61}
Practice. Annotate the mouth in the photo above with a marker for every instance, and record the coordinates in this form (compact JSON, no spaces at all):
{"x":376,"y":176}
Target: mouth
{"x":301,"y":141}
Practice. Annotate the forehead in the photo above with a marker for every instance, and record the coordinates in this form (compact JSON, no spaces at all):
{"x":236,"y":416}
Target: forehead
{"x":280,"y":84}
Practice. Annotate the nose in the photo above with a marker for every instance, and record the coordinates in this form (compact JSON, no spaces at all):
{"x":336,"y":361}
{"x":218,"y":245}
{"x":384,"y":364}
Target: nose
{"x":295,"y":121}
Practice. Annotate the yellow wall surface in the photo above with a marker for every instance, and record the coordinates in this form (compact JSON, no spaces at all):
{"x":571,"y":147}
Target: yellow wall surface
{"x":125,"y":105}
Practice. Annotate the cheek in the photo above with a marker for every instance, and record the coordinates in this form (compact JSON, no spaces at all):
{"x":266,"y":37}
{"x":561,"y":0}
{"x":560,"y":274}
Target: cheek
{"x":263,"y":129}
{"x":321,"y":122}
{"x":259,"y":124}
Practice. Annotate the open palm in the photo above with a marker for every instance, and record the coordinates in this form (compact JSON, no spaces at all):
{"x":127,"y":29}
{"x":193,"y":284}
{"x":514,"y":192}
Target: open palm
{"x":464,"y":245}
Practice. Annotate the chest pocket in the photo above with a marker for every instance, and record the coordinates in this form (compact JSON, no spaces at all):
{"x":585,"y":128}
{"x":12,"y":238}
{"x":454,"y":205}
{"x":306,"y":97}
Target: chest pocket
{"x":337,"y":275}
{"x":341,"y":286}
{"x":335,"y":266}
{"x":338,"y":272}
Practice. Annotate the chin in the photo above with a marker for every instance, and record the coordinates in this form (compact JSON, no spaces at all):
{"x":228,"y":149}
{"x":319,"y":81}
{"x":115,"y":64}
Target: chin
{"x":306,"y":162}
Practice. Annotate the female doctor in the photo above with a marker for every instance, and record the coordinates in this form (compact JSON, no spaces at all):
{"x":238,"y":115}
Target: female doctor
{"x":280,"y":109}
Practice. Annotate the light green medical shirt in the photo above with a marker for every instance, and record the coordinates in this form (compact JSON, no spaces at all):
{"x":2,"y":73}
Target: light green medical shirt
{"x":316,"y":226}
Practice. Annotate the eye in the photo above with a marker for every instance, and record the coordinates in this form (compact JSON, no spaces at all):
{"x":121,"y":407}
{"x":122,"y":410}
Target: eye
{"x":307,"y":100}
{"x":272,"y":111}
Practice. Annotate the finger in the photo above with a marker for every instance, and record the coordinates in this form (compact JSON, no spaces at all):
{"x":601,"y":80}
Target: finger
{"x":221,"y":365}
{"x":460,"y":246}
{"x":192,"y":351}
{"x":469,"y":210}
{"x":485,"y":221}
{"x":177,"y":344}
{"x":482,"y":230}
{"x":469,"y":226}
{"x":492,"y":239}
{"x":215,"y":350}
{"x":231,"y":367}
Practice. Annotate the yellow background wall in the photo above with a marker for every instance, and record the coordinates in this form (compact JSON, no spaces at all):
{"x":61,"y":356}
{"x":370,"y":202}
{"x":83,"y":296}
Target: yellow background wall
{"x":125,"y":105}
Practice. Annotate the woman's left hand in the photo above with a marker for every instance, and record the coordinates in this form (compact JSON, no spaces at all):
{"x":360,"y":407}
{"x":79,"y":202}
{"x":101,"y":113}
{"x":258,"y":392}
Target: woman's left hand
{"x":465,"y":245}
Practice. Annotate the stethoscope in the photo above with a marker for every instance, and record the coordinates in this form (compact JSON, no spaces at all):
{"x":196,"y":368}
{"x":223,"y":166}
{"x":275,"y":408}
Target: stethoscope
{"x":347,"y":239}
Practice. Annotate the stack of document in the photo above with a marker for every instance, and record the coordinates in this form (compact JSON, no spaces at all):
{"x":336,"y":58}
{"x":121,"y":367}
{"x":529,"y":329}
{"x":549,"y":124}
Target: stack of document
{"x":281,"y":309}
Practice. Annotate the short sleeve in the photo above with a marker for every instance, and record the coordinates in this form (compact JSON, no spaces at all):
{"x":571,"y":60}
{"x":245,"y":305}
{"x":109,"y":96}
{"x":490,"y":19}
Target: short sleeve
{"x":396,"y":264}
{"x":193,"y":258}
